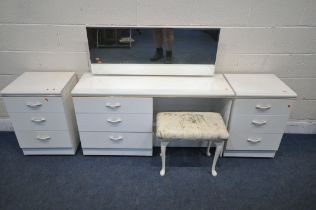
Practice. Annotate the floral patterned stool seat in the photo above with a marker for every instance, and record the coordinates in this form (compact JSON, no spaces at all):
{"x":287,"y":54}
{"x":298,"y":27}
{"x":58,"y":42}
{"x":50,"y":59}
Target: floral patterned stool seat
{"x":207,"y":126}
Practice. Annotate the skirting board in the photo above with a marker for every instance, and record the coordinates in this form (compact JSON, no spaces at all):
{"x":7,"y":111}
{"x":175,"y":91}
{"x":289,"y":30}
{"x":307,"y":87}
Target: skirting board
{"x":5,"y":124}
{"x":299,"y":126}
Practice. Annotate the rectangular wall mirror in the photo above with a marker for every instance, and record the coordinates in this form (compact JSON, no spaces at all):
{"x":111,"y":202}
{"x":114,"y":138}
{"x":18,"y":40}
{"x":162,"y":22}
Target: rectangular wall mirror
{"x":153,"y":51}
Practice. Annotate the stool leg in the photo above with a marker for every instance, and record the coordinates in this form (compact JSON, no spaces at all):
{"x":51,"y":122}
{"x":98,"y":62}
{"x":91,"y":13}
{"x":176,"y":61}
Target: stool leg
{"x":221,"y":155}
{"x":219,"y":147}
{"x":208,"y":148}
{"x":163,"y":147}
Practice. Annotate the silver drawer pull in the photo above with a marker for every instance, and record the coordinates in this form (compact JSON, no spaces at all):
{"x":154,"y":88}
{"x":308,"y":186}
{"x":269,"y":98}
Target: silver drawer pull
{"x":38,"y":120}
{"x":116,"y":138}
{"x":255,"y":140}
{"x":34,"y":105}
{"x":114,"y":121}
{"x":43,"y":138}
{"x":113,"y":106}
{"x":259,"y":123}
{"x":263,"y":107}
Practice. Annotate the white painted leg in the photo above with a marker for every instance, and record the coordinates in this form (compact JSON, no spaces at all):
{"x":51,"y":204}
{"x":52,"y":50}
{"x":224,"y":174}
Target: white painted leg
{"x":163,"y":147}
{"x":221,"y":155}
{"x":208,"y":148}
{"x":219,"y":147}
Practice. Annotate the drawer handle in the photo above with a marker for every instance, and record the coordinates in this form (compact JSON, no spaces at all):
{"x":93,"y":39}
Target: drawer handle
{"x":43,"y":138}
{"x":38,"y":120}
{"x":257,"y":140}
{"x":34,"y":105}
{"x":118,"y":120}
{"x":263,"y":107}
{"x":259,"y":123}
{"x":116,"y":138}
{"x":113,"y":106}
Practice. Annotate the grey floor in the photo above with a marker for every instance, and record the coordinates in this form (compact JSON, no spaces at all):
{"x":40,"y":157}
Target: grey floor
{"x":106,"y":182}
{"x":191,"y":46}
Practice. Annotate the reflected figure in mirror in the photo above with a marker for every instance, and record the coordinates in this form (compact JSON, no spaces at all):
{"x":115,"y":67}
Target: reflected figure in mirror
{"x":159,"y":35}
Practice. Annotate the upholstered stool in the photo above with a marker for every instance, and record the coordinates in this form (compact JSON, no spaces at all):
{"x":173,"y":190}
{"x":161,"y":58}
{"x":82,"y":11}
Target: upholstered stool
{"x":207,"y":126}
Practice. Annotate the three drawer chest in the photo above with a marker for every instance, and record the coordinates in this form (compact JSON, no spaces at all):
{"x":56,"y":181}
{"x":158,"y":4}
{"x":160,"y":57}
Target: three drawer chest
{"x":112,"y":124}
{"x":259,"y":115}
{"x":41,"y":111}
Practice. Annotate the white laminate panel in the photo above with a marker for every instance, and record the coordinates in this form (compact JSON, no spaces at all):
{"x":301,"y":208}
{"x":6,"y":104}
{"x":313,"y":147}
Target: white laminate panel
{"x":90,"y":85}
{"x":115,"y":122}
{"x":262,"y":106}
{"x":49,"y":151}
{"x":250,"y":153}
{"x":259,"y":85}
{"x":115,"y":140}
{"x":113,"y":105}
{"x":258,"y":123}
{"x":70,"y":114}
{"x":156,"y":69}
{"x":43,"y":139}
{"x":253,"y":141}
{"x":39,"y":121}
{"x":117,"y":151}
{"x":34,"y":104}
{"x":34,"y":83}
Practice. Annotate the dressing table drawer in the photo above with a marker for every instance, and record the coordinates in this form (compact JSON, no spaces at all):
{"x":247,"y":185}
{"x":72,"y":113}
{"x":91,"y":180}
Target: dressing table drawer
{"x":254,"y":141}
{"x":34,"y":104}
{"x":258,"y":123}
{"x":113,"y":105}
{"x":115,"y":122}
{"x":262,"y":106}
{"x":116,"y":140}
{"x":39,"y":121}
{"x":43,"y":139}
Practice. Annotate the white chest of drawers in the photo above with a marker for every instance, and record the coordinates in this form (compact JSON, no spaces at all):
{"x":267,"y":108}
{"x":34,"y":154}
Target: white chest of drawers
{"x":259,"y":115}
{"x":115,"y":125}
{"x":41,"y":110}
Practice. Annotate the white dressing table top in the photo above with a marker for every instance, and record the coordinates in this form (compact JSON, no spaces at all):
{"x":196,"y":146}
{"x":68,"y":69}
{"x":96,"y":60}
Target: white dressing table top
{"x":259,"y":85}
{"x":163,"y":86}
{"x":38,"y":83}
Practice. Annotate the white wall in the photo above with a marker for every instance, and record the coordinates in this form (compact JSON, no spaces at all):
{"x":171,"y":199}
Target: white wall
{"x":257,"y":36}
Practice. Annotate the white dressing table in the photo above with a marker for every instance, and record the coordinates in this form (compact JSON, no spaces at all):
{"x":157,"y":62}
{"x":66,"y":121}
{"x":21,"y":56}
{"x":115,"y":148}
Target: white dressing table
{"x":115,"y":114}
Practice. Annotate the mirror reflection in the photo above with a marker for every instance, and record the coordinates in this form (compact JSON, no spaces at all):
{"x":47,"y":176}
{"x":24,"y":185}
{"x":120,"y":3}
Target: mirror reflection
{"x":152,"y":45}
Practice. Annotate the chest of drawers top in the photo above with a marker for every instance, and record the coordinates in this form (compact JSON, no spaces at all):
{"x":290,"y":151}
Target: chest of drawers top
{"x":259,"y":86}
{"x":38,"y":83}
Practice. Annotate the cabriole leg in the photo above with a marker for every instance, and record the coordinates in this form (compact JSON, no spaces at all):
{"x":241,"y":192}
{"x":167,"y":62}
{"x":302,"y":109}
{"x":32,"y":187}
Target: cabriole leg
{"x":221,"y":155}
{"x":208,"y":148}
{"x":163,"y":147}
{"x":219,"y":147}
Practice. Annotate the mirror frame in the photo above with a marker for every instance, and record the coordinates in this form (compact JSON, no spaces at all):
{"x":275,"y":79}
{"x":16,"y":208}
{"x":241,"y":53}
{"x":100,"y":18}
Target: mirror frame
{"x":152,"y":69}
